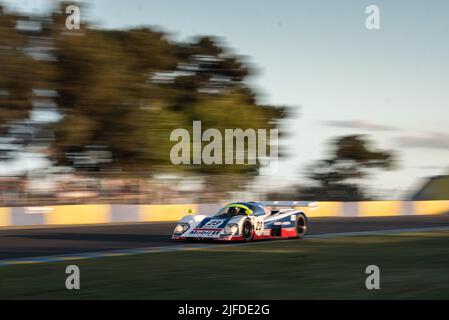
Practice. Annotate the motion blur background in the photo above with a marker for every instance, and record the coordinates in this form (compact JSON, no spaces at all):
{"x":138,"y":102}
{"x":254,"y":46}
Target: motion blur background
{"x":86,"y":115}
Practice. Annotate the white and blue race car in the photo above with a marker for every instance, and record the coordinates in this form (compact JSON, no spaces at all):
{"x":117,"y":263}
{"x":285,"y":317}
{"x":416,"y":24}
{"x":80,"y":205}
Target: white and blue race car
{"x":246,"y":221}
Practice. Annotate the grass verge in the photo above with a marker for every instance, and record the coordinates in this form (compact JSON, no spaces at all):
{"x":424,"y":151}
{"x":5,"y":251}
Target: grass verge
{"x":412,"y":266}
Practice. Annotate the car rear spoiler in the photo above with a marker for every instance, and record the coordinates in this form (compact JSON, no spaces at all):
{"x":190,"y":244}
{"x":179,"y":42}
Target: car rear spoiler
{"x":291,"y":204}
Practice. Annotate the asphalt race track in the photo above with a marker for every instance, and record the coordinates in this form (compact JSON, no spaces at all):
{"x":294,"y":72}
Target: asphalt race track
{"x":36,"y":242}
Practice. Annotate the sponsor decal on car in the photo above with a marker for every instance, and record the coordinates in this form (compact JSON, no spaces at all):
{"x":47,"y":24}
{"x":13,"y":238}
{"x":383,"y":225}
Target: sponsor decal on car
{"x":205,"y":233}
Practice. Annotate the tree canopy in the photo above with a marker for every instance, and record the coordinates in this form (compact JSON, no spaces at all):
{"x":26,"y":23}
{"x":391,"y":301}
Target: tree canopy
{"x":351,"y":159}
{"x":119,"y":93}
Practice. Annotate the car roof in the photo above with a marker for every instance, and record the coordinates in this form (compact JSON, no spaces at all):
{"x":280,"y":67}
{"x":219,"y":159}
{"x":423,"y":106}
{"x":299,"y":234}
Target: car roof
{"x":249,"y":204}
{"x":255,"y":206}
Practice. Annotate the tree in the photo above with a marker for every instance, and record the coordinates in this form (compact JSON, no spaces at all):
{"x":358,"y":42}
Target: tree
{"x":15,"y":79}
{"x":351,"y":160}
{"x":21,"y":75}
{"x":120,"y":93}
{"x":110,"y":108}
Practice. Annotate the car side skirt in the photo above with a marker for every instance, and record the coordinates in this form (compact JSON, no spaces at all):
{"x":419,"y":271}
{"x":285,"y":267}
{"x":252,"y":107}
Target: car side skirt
{"x":286,"y":233}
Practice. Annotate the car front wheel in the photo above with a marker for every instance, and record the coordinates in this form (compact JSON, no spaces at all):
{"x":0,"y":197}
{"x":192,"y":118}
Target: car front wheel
{"x":247,"y":231}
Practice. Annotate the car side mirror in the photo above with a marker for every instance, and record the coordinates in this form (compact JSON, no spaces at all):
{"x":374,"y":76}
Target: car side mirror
{"x":192,"y":211}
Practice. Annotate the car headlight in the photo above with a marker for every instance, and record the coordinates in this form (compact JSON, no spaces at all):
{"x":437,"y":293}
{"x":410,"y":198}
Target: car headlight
{"x":181,"y":228}
{"x":231,"y":229}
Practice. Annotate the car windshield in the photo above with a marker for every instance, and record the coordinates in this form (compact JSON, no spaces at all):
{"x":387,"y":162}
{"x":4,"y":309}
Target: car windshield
{"x":233,"y":210}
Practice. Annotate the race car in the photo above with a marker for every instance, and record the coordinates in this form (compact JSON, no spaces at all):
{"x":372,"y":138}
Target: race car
{"x":246,"y":221}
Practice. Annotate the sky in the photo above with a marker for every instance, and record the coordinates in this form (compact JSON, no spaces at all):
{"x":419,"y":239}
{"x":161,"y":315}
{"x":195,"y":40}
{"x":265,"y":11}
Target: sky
{"x":391,"y":84}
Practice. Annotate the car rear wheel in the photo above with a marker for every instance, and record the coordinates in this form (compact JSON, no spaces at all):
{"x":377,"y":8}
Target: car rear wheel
{"x":247,"y":231}
{"x":301,"y":226}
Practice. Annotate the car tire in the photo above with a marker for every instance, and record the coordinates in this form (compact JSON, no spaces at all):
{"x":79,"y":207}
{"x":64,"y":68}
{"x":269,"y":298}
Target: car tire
{"x":247,"y":231}
{"x":301,"y":226}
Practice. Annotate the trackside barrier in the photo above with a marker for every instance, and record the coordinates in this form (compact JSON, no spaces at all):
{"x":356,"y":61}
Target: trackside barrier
{"x":158,"y":213}
{"x":324,"y":209}
{"x":83,"y":214}
{"x":431,"y":207}
{"x":380,"y":208}
{"x":103,"y":214}
{"x":5,"y":217}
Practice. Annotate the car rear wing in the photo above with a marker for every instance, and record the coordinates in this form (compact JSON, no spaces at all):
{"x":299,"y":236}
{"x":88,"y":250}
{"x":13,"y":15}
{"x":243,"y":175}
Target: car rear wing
{"x":291,"y":204}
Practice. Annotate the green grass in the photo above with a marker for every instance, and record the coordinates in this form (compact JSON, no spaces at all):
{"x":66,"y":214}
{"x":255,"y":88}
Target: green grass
{"x":412,"y":266}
